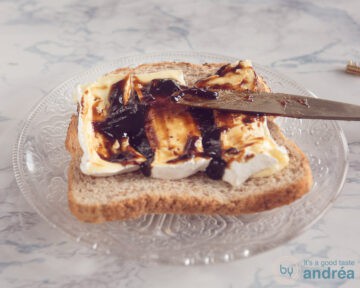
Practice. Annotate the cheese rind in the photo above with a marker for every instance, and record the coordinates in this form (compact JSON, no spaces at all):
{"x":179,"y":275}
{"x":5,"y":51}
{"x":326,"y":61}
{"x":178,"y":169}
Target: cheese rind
{"x":179,"y":170}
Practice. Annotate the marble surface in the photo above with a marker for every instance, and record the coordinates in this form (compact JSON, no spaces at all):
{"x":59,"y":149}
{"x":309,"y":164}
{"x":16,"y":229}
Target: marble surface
{"x":45,"y":42}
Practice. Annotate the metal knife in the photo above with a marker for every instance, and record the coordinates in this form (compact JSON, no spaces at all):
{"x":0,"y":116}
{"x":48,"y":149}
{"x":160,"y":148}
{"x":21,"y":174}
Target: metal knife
{"x":280,"y":104}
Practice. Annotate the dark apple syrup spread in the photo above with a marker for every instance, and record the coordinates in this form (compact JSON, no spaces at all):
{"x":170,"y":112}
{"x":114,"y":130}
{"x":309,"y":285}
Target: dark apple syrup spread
{"x":129,"y":121}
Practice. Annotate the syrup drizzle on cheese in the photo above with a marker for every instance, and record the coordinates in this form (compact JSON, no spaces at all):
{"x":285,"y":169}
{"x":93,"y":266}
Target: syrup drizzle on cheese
{"x":143,"y":126}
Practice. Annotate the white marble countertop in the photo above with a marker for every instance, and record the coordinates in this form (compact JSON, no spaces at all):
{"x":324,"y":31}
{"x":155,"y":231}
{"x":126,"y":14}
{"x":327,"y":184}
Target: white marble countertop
{"x":45,"y":42}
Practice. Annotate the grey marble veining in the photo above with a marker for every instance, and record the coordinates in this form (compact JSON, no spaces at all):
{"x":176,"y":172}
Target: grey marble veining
{"x":45,"y":42}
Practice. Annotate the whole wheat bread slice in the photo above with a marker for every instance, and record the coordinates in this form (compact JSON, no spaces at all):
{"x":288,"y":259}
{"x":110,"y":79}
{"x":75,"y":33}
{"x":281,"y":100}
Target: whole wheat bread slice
{"x":130,"y":195}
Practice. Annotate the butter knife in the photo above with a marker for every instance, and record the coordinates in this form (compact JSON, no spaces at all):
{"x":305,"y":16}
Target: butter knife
{"x":279,"y":104}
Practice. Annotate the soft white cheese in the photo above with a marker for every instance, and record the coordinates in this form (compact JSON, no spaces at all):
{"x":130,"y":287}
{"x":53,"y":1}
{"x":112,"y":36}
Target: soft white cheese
{"x":184,"y":168}
{"x":91,"y":162}
{"x":238,"y":172}
{"x":268,"y":159}
{"x":267,"y":156}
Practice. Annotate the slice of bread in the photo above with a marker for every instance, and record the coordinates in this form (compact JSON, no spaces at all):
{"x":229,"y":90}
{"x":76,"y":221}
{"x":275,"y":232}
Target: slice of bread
{"x":130,"y":195}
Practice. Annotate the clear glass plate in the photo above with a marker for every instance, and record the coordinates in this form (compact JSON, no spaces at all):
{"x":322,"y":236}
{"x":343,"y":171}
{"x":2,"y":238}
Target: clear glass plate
{"x":40,"y":164}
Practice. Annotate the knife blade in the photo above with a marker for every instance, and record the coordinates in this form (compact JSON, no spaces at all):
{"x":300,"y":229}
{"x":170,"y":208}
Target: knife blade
{"x":279,"y":104}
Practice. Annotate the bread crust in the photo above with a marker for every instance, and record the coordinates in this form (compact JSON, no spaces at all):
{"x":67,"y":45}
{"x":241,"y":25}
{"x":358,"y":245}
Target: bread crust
{"x":186,"y":203}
